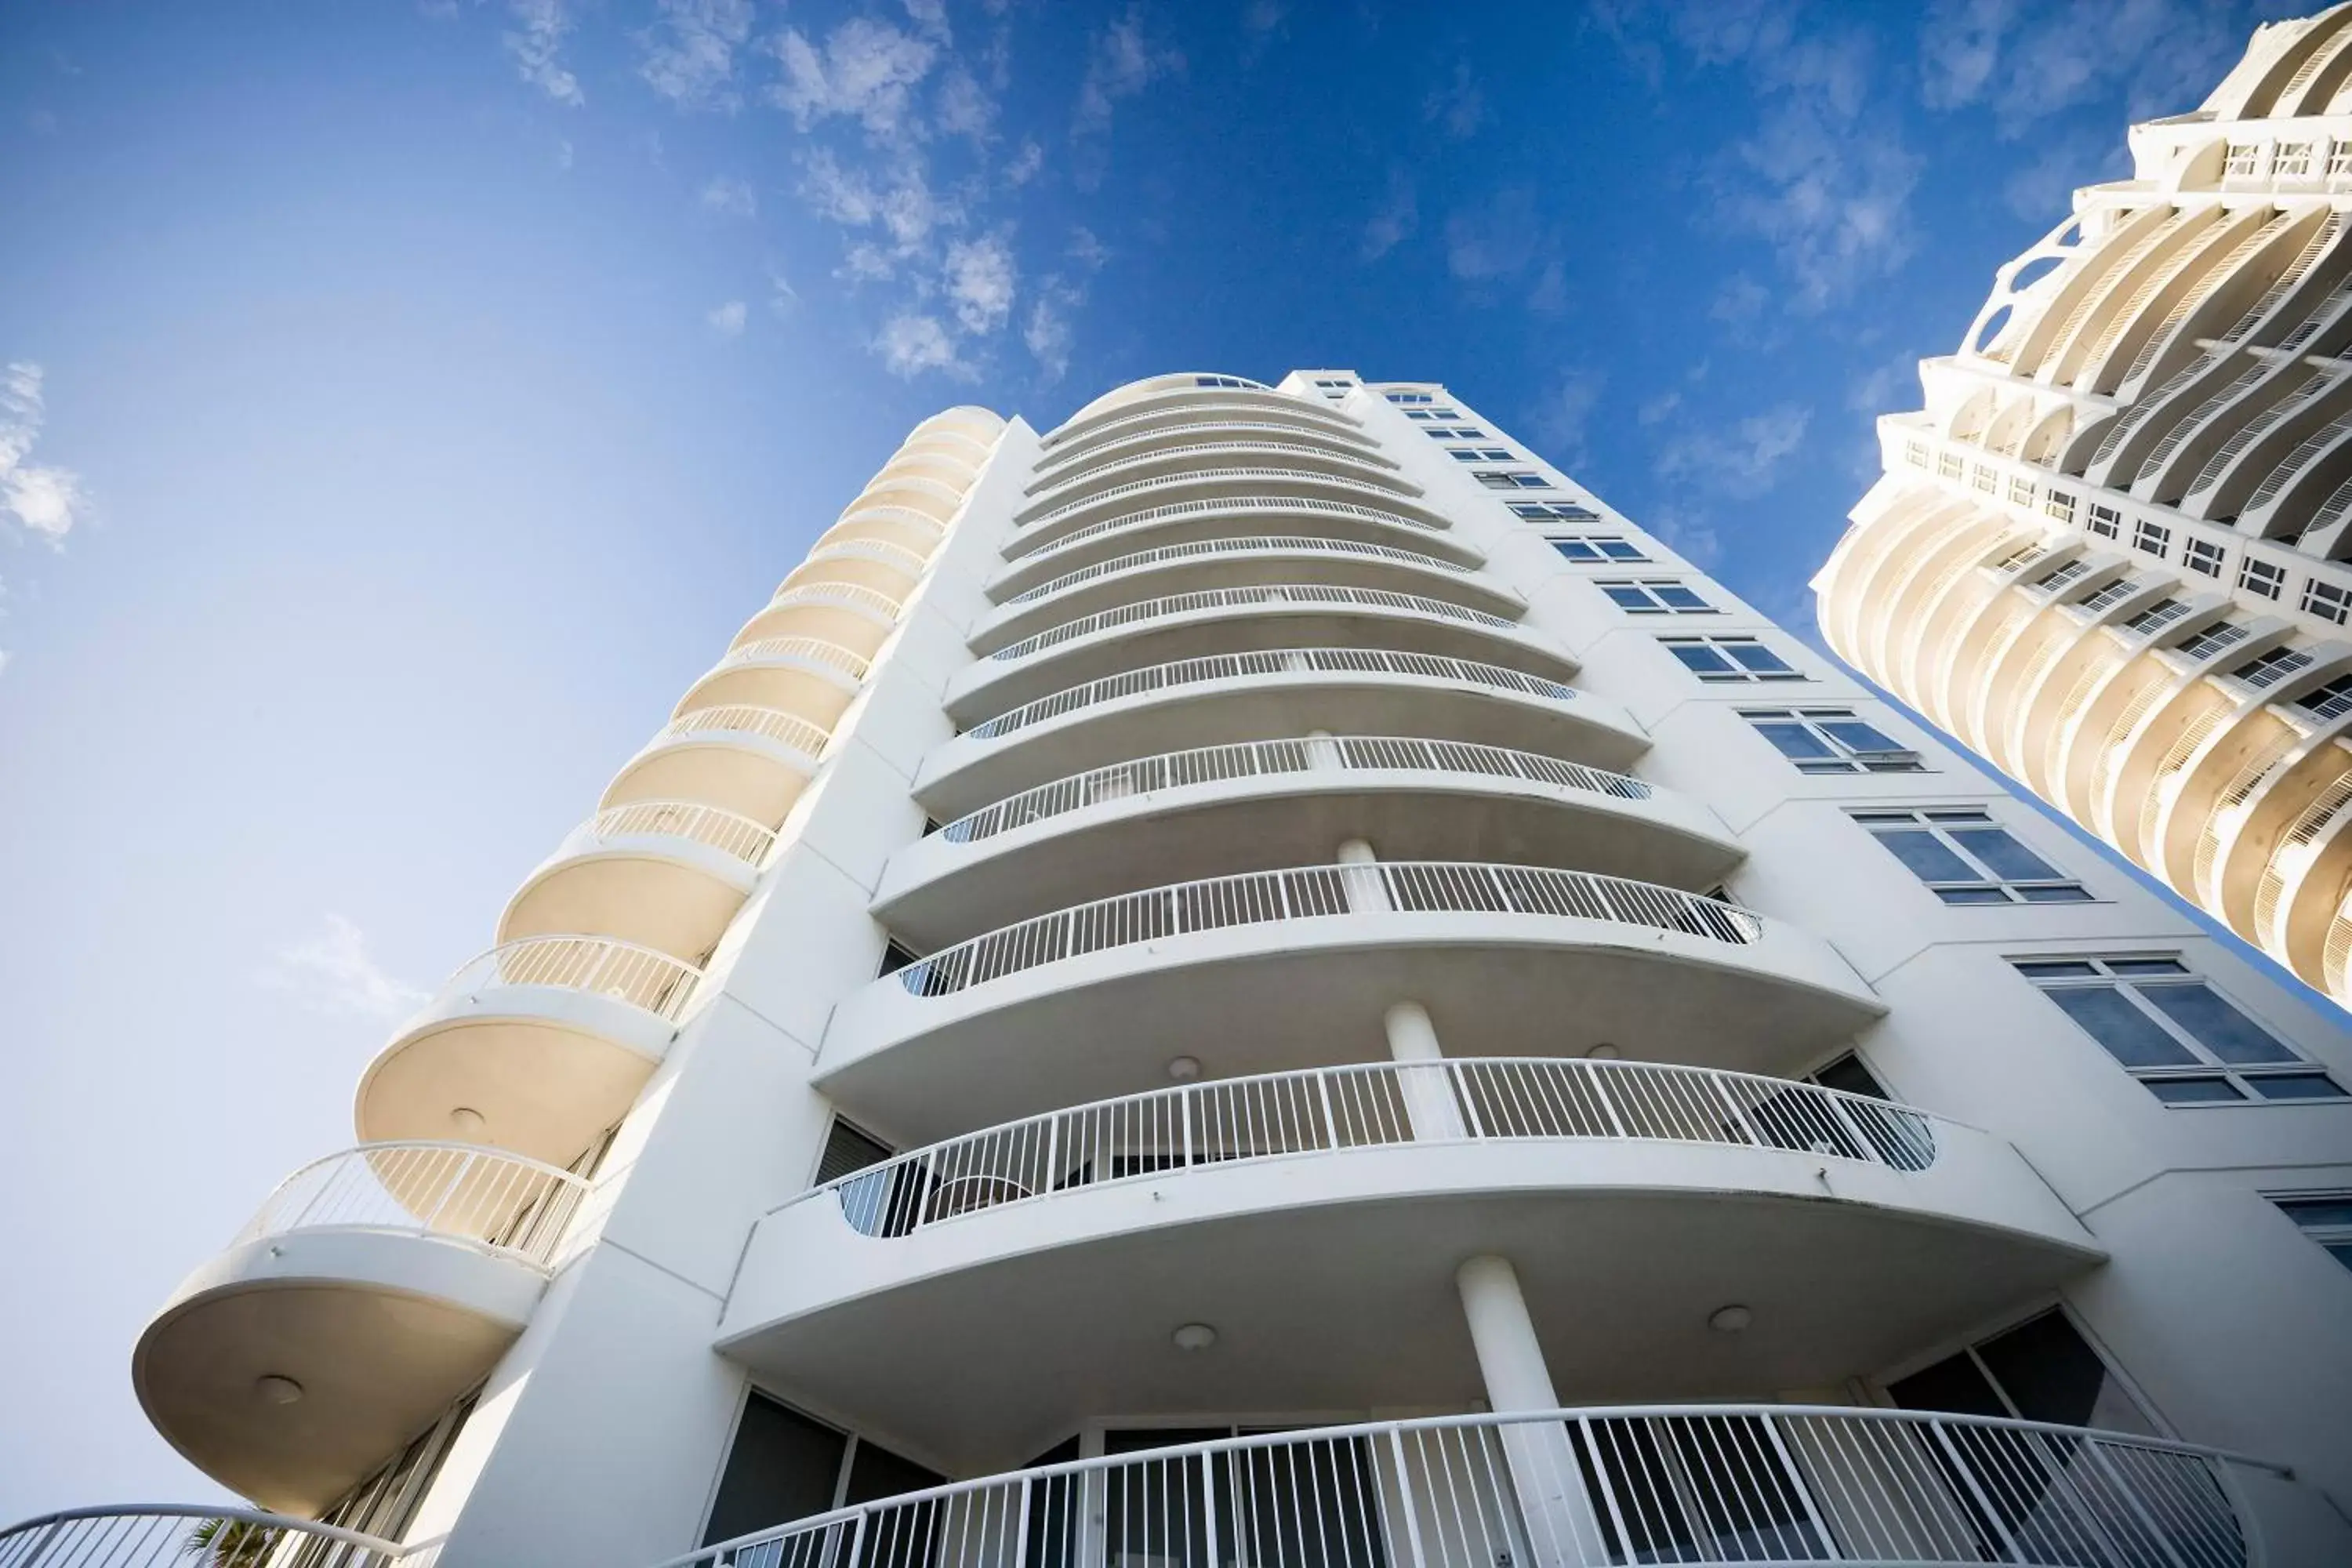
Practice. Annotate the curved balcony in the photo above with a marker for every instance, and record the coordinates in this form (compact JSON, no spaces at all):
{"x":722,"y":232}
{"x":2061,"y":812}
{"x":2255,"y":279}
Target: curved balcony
{"x":1224,"y":809}
{"x":748,"y":760}
{"x":1105,"y":471}
{"x":1315,"y":1218}
{"x":1192,"y":523}
{"x":983,"y":425}
{"x":913,"y":492}
{"x":1291,"y":968}
{"x":954,"y":471}
{"x":1249,"y":560}
{"x":373,"y":1288}
{"x":537,"y":1046}
{"x":663,"y":874}
{"x":1178,"y":420}
{"x":889,"y":570}
{"x":808,"y":677}
{"x":1149,"y":434}
{"x":845,"y":614}
{"x":1241,"y":620}
{"x":908,"y":530}
{"x":173,"y":1535}
{"x":1176,"y":387}
{"x":1278,"y":694}
{"x":1703,"y":1485}
{"x":1224,"y":485}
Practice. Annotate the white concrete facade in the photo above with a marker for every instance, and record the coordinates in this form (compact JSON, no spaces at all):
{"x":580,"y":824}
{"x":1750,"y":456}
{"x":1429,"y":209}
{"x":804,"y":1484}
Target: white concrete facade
{"x":2113,"y":554}
{"x":1228,"y":917}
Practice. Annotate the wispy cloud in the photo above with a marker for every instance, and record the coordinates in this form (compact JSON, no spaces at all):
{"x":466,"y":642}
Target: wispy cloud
{"x":980,"y":282}
{"x":1741,"y":462}
{"x":536,"y":42}
{"x":689,"y":57}
{"x":728,"y":319}
{"x":867,"y":70}
{"x":910,"y":344}
{"x":332,"y":973}
{"x":2027,"y":65}
{"x":1559,"y":422}
{"x":47,"y":502}
{"x":1123,"y":59}
{"x":1459,"y":107}
{"x":729,"y":198}
{"x":1394,"y":223}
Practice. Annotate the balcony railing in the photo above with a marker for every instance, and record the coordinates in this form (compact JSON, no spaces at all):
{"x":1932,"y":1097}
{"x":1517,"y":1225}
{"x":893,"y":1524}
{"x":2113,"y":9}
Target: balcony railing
{"x":1378,"y":464}
{"x":896,"y":556}
{"x":1263,"y":544}
{"x":503,"y":1202}
{"x":850,"y":595}
{"x":1301,"y":504}
{"x":1277,"y":661}
{"x":1200,"y":476}
{"x":1352,"y":441}
{"x":1259,"y":759}
{"x":167,"y":1535}
{"x":1326,"y":1110}
{"x":810,"y":650}
{"x":1304,"y":596}
{"x":603,"y":965}
{"x":1062,"y":441}
{"x":714,"y":828}
{"x":1689,"y":1484}
{"x":1317,"y":892}
{"x":742,"y":719}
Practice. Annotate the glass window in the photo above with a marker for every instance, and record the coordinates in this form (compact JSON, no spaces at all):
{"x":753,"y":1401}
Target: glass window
{"x":2041,"y":1370}
{"x":2157,"y":616}
{"x":2325,"y":1218}
{"x":2328,"y":601}
{"x":1704,"y":659}
{"x":781,"y":1467}
{"x":1655,"y":596}
{"x":1510,"y":479}
{"x":2184,"y":1040}
{"x":1964,"y":858}
{"x":2329,"y":702}
{"x":2203,"y":555}
{"x":2261,"y":577}
{"x":2211,"y":640}
{"x":1730,"y":659}
{"x":2269,"y":668}
{"x":2154,"y":538}
{"x":1832,"y":741}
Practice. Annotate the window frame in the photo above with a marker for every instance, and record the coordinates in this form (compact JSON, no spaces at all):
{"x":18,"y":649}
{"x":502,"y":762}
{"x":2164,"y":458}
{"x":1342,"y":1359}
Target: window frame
{"x":1843,"y":758}
{"x":1659,"y":605}
{"x":2005,"y":892}
{"x":1601,"y":552}
{"x":1739,"y":674}
{"x":2206,"y":1065}
{"x":2331,"y":1237}
{"x":1511,"y":479}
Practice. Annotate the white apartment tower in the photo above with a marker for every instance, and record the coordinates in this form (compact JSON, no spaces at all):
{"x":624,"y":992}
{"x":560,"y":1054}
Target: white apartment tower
{"x":1261,"y":979}
{"x":2114,"y":552}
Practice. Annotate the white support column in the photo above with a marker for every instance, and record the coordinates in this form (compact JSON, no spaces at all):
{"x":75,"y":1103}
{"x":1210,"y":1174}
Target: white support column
{"x":1365,"y":891}
{"x":1561,"y":1525}
{"x":1429,"y":1098}
{"x":1323,"y":756}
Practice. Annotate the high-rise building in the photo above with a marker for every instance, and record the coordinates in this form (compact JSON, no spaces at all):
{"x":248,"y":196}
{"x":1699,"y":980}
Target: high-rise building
{"x":2114,"y":554}
{"x":1188,"y":986}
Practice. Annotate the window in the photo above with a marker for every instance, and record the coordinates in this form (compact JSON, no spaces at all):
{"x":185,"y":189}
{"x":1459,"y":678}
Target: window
{"x":1566,"y":511}
{"x":2292,"y":161}
{"x":782,"y":1466}
{"x":2332,"y":701}
{"x":2059,"y":576}
{"x":1455,"y":433}
{"x":2059,"y":505}
{"x":1916,"y":453}
{"x":2328,"y":601}
{"x":2115,"y":593}
{"x":1948,"y":465}
{"x":2270,"y":669}
{"x":1730,"y":659}
{"x":2261,"y":577}
{"x":1965,"y":858}
{"x":847,"y":1150}
{"x":2241,"y":160}
{"x":2152,"y":537}
{"x":1832,"y":741}
{"x":1335,"y":385}
{"x":2155,"y":617}
{"x":2174,"y":1033}
{"x":1408,"y":397}
{"x":2203,"y":555}
{"x":1514,"y":479}
{"x":2204,"y":644}
{"x":2339,"y":159}
{"x":2021,"y":491}
{"x":1232,"y":381}
{"x":1479,"y":454}
{"x":1984,"y":479}
{"x":2106,"y":520}
{"x":1588,"y":549}
{"x":1417,"y":412}
{"x":2326,"y":1218}
{"x":2041,"y":1370}
{"x":2019,"y":559}
{"x":1655,"y":596}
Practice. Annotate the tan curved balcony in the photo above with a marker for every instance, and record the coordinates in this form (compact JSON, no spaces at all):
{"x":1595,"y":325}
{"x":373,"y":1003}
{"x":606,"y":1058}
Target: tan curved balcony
{"x":751,"y":761}
{"x":171,"y":1535}
{"x":372,"y":1290}
{"x":1195,"y":522}
{"x":664,"y":874}
{"x":933,"y":498}
{"x":1109,"y":470}
{"x":854,"y":617}
{"x":1276,"y":694}
{"x":1291,"y":968}
{"x":1241,"y":620}
{"x":1149,"y":435}
{"x":1174,"y":420}
{"x":889,"y":570}
{"x":1226,"y":809}
{"x":1315,"y":1219}
{"x":969,"y":451}
{"x":807,"y":676}
{"x":954,"y":473}
{"x":535,"y":1046}
{"x":983,"y":425}
{"x":908,"y":530}
{"x":1247,"y":561}
{"x":1043,"y":525}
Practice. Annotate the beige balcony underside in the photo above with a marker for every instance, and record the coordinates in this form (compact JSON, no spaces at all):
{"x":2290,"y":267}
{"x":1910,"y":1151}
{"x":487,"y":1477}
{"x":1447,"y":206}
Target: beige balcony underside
{"x":749,"y":774}
{"x":671,"y":894}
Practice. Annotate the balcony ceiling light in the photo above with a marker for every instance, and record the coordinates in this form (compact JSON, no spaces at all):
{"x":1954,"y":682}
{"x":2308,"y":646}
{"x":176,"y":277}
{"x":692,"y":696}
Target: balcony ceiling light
{"x":1183,"y":1069}
{"x":276,"y":1389}
{"x":1196,"y":1337}
{"x":1603,"y":1052}
{"x":1730,"y":1319}
{"x":465,"y":1120}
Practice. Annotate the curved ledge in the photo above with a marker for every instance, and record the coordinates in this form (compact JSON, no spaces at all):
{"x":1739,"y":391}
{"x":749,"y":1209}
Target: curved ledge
{"x":854,"y":616}
{"x":748,"y":760}
{"x":805,"y":675}
{"x":1192,"y":523}
{"x":663,"y":874}
{"x":1055,"y":492}
{"x":1226,"y":809}
{"x":1155,"y":432}
{"x":1222,"y":486}
{"x":1281,"y":969}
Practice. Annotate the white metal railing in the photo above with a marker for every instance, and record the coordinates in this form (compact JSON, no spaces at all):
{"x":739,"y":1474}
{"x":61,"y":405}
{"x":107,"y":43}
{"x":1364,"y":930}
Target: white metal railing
{"x":851,"y":595}
{"x":744,"y":719}
{"x":1276,"y":661}
{"x":1202,"y":476}
{"x":1690,"y":1484}
{"x":2257,"y":426}
{"x":1051,"y":470}
{"x":1324,"y":1110}
{"x":921,"y":519}
{"x":1379,"y":465}
{"x":808,"y":651}
{"x":603,"y":965}
{"x":713,"y":826}
{"x":1237,"y":505}
{"x":504,"y":1202}
{"x":2214,"y":275}
{"x":1258,"y":758}
{"x":2335,"y":951}
{"x":173,"y":1535}
{"x":1259,"y":544}
{"x":1315,"y":892}
{"x":2292,"y":464}
{"x":2295,"y":272}
{"x":898,"y":557}
{"x":1303,"y":595}
{"x":1207,"y":413}
{"x":2331,"y":512}
{"x":2194,"y":420}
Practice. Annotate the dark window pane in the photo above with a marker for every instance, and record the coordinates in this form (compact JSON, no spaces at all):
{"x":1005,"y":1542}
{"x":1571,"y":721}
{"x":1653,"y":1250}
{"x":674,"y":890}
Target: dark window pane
{"x":2296,"y":1086}
{"x":1699,"y":657}
{"x":1621,"y":550}
{"x":2311,"y":1212}
{"x":2341,"y":1251}
{"x":1953,"y":1384}
{"x":2218,"y":1027}
{"x":1794,"y":740}
{"x":1576,"y":549}
{"x":2193,"y":1091}
{"x":1929,"y":858}
{"x":1973,"y":895}
{"x":2148,"y":966}
{"x":847,"y":1149}
{"x":2055,"y":893}
{"x":2051,"y":1374}
{"x":1756,"y":657}
{"x":2009,"y":858}
{"x":1855,"y":735}
{"x":782,"y":1466}
{"x":1629,"y":597}
{"x":2058,"y":969}
{"x":1680,"y":597}
{"x":1848,"y":1074}
{"x":876,"y":1472}
{"x":2131,"y":1037}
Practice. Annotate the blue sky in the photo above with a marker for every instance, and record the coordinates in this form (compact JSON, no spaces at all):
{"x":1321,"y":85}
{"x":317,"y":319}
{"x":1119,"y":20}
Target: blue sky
{"x":403,"y":402}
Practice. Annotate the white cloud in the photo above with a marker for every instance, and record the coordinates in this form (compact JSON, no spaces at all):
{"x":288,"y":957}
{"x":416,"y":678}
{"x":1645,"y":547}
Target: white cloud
{"x":1025,"y":165}
{"x":1687,"y":533}
{"x":1459,"y":105}
{"x":47,"y":502}
{"x":1560,"y":421}
{"x":332,"y":973}
{"x":782,"y":297}
{"x":1123,"y":61}
{"x":731,"y":197}
{"x":910,"y":344}
{"x":537,"y":45}
{"x":689,"y":59}
{"x":2162,"y":56}
{"x":965,"y":108}
{"x":980,"y":282}
{"x":1047,"y":334}
{"x":1394,"y":223}
{"x":1742,"y":462}
{"x":1658,"y":408}
{"x":1493,"y":240}
{"x":728,"y":319}
{"x":868,"y":70}
{"x":1876,"y":391}
{"x":843,"y":195}
{"x":866,"y":262}
{"x":1087,"y":251}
